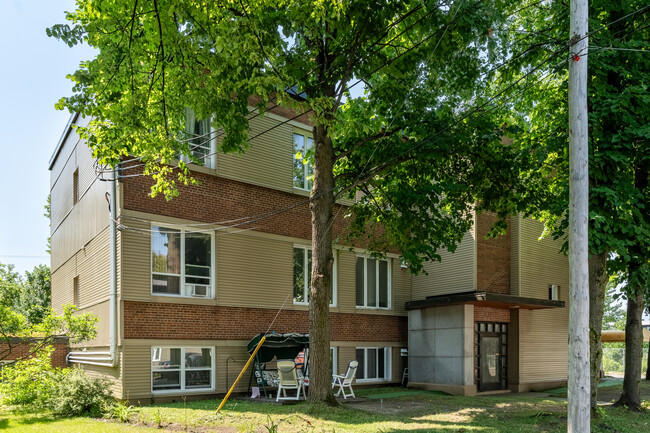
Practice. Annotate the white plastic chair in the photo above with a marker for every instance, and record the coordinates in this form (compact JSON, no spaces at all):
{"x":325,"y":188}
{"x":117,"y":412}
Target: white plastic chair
{"x":345,"y":380}
{"x":287,"y":379}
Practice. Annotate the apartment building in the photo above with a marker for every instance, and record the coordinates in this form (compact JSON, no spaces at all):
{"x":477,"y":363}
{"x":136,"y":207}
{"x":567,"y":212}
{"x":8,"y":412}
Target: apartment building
{"x":197,"y":277}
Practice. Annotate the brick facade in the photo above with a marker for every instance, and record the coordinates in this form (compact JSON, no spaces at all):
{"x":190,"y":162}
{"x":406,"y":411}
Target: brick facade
{"x":220,"y":199}
{"x":490,"y":314}
{"x":143,"y":320}
{"x":492,"y":257}
{"x":20,"y":349}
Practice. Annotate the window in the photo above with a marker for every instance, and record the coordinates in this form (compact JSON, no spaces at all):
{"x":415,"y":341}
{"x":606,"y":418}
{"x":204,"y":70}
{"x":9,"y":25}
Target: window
{"x":374,"y":363}
{"x":75,"y":186}
{"x":303,"y":173}
{"x":181,"y":262}
{"x":334,"y":359}
{"x":75,"y":291}
{"x":182,"y":368}
{"x":302,"y":276}
{"x":372,"y":283}
{"x":197,"y":132}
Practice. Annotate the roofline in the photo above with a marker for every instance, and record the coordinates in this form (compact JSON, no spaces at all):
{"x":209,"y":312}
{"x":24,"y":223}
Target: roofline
{"x":64,"y":136}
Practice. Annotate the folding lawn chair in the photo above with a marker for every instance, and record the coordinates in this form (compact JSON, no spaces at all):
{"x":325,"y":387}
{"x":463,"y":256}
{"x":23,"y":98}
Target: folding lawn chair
{"x":288,"y":380}
{"x":345,"y":380}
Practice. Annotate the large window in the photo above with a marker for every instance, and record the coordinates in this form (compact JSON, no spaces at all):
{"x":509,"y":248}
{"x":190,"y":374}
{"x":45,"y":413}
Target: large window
{"x":303,"y":173}
{"x":182,"y":368}
{"x":373,"y":283}
{"x":374,"y":363}
{"x":181,"y":262}
{"x":302,"y":276}
{"x":198,"y":134}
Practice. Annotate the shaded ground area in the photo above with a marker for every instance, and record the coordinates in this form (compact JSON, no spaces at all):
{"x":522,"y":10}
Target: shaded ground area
{"x":609,"y":390}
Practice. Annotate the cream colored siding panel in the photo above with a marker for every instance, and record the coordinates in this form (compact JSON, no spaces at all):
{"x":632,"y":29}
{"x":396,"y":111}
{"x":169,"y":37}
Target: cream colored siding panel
{"x":454,"y":274}
{"x":515,"y":256}
{"x":401,"y":287}
{"x":347,"y":297}
{"x":62,"y":280}
{"x":136,"y":262}
{"x":91,"y":265}
{"x":230,"y":359}
{"x":268,"y":162}
{"x":543,"y":345}
{"x":253,"y":271}
{"x":112,"y":374}
{"x":137,"y":372}
{"x":88,"y":217}
{"x":541,"y":262}
{"x":101,"y":311}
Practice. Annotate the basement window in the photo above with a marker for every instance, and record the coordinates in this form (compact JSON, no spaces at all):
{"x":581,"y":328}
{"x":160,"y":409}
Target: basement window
{"x":182,"y":369}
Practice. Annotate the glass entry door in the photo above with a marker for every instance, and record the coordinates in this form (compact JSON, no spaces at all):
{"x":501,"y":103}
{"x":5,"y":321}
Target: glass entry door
{"x":490,"y":352}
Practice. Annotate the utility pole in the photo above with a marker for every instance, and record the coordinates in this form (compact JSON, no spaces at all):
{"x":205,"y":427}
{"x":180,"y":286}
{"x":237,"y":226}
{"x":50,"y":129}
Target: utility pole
{"x":579,"y":412}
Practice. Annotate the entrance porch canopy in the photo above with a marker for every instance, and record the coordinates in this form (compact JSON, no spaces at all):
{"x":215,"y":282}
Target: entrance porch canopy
{"x":485,"y":299}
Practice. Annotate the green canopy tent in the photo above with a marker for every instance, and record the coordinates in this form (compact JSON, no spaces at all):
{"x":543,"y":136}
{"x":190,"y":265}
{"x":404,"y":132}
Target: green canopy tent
{"x":276,"y":346}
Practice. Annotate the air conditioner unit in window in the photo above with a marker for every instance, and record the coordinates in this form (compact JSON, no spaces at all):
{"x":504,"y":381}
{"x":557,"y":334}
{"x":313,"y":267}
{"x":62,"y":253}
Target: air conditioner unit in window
{"x":198,"y":290}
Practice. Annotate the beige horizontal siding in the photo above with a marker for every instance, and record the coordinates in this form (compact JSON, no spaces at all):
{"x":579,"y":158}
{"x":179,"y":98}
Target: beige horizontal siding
{"x":455,"y":273}
{"x":541,"y":262}
{"x":135,"y":262}
{"x":83,"y":223}
{"x":136,"y":372}
{"x":101,"y":311}
{"x":401,"y":287}
{"x":253,"y":271}
{"x":91,"y":264}
{"x":515,"y":256}
{"x":268,"y":162}
{"x":112,"y":374}
{"x":543,"y":345}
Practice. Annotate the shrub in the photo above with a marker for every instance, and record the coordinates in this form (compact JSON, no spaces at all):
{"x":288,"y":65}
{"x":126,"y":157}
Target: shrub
{"x":76,"y":393}
{"x":30,"y":382}
{"x":122,"y":411}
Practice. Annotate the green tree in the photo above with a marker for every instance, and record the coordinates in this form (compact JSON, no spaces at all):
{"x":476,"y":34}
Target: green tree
{"x":77,"y":327}
{"x":35,"y":297}
{"x":10,"y":286}
{"x":619,"y":129}
{"x":410,"y":145}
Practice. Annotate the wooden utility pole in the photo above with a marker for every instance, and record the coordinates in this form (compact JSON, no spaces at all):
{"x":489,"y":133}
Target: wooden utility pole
{"x":579,"y":393}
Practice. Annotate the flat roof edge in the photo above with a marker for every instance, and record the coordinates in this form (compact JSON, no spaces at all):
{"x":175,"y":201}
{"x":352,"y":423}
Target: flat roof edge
{"x":64,"y":135}
{"x":478,"y":298}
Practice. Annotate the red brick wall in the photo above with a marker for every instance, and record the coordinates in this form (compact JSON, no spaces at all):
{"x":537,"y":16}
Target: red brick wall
{"x":177,"y":321}
{"x":490,"y":314}
{"x":492,"y":257}
{"x":20,"y":350}
{"x":218,"y":199}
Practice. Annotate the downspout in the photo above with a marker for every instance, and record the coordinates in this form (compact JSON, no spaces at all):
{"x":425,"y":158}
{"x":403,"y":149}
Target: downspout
{"x":109,"y":359}
{"x":113,"y":253}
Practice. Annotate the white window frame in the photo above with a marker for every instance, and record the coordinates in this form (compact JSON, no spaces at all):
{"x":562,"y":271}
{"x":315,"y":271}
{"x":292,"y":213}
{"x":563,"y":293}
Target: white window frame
{"x":156,"y":350}
{"x":306,"y":283}
{"x":210,"y":160}
{"x":183,"y":286}
{"x":334,"y":351}
{"x":308,"y":181}
{"x":389,"y":283}
{"x":388,"y":364}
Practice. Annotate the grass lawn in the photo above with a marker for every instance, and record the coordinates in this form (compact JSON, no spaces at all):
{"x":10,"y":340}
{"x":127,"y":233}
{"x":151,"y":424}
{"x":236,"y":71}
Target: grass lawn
{"x":383,"y":410}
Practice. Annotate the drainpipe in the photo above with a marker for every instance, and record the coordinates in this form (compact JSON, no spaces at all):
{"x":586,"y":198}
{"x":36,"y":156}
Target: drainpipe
{"x":106,"y":359}
{"x":113,"y":252}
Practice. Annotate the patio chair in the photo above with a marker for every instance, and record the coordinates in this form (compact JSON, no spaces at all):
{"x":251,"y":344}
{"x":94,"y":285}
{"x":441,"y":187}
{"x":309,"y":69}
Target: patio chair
{"x":288,"y":380}
{"x":345,"y":380}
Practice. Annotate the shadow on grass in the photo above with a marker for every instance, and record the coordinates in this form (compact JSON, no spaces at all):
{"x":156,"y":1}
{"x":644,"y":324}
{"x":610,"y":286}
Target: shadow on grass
{"x":387,"y":409}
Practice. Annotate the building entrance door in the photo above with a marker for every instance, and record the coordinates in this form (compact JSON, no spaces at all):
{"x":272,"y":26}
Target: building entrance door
{"x":491,"y":348}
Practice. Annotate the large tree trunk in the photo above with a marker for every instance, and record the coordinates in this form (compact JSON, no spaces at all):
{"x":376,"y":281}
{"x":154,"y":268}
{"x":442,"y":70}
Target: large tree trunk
{"x":321,"y":205}
{"x":597,"y":288}
{"x":633,"y":352}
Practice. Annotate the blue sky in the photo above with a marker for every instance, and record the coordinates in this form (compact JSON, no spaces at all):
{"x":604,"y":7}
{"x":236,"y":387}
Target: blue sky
{"x":32,"y":79}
